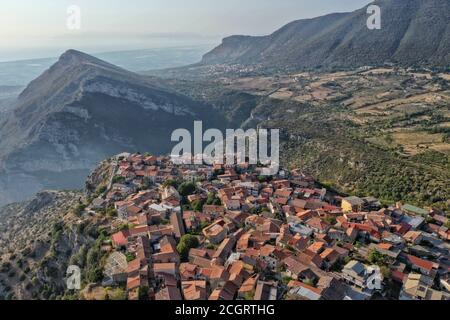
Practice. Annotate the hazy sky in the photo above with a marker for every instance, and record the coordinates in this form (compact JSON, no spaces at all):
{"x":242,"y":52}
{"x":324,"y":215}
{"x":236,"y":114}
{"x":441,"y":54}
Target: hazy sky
{"x":31,"y":24}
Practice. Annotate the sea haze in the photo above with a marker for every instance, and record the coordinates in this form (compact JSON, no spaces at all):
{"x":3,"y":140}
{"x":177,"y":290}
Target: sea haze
{"x":20,"y":73}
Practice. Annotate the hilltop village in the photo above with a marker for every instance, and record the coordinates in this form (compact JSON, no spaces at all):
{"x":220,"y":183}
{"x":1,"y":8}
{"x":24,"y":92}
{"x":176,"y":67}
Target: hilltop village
{"x":194,"y":232}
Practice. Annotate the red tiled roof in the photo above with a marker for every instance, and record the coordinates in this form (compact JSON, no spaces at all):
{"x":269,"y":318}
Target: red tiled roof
{"x":398,"y":276}
{"x":120,"y":238}
{"x":316,"y":247}
{"x":139,"y":230}
{"x":294,"y":283}
{"x":133,"y":283}
{"x":385,"y":246}
{"x":421,"y":263}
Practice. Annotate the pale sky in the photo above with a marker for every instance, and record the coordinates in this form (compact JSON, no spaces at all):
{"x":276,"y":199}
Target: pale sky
{"x":39,"y":24}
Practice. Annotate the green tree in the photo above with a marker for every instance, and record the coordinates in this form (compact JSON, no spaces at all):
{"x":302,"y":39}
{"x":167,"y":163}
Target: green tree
{"x":171,"y":183}
{"x":213,"y":200}
{"x":146,"y":183}
{"x":100,"y":190}
{"x":118,"y":179}
{"x":262,"y":179}
{"x":197,"y":205}
{"x":95,"y":261}
{"x":187,"y":242}
{"x":111,"y":212}
{"x":79,"y":209}
{"x":130,"y":256}
{"x":187,"y":188}
{"x":377,"y":258}
{"x":250,"y":295}
{"x":386,"y":272}
{"x":143,"y":293}
{"x":331,"y":220}
{"x":117,"y":294}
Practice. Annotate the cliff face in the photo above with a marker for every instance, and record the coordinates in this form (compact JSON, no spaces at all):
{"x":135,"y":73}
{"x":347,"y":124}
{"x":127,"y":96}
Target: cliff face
{"x":83,"y":110}
{"x":42,"y":237}
{"x":102,"y":175}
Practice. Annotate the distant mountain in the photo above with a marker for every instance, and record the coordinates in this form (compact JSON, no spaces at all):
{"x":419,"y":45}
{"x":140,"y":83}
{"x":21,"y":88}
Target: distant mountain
{"x":80,"y":111}
{"x":413,"y":32}
{"x":21,"y":72}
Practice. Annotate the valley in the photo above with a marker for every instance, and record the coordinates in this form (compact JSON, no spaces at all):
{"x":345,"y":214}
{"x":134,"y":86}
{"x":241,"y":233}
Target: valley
{"x":363,"y":117}
{"x":79,"y":111}
{"x":409,"y":107}
{"x":370,"y":123}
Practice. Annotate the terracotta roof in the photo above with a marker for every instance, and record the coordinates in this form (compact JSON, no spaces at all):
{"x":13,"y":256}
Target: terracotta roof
{"x":194,"y":290}
{"x":138,"y":230}
{"x":221,"y":294}
{"x":283,"y":193}
{"x":294,"y":265}
{"x":354,"y":201}
{"x":201,"y":262}
{"x":163,"y":267}
{"x":299,"y":203}
{"x":120,"y":238}
{"x":385,"y":246}
{"x":412,"y":235}
{"x":133,"y":209}
{"x":281,"y":201}
{"x":398,"y":276}
{"x":169,"y":293}
{"x":317,"y":223}
{"x":330,"y":255}
{"x":421,"y":263}
{"x":133,"y":283}
{"x":267,"y":250}
{"x":134,"y":265}
{"x":294,"y":283}
{"x":310,"y":259}
{"x":219,"y":272}
{"x":249,"y":284}
{"x":316,"y":247}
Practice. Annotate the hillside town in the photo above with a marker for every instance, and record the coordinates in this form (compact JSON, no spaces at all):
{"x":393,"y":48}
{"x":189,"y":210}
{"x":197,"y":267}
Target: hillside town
{"x":197,"y":232}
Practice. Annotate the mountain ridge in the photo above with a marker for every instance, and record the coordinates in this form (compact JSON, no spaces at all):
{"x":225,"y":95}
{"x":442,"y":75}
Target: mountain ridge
{"x":80,"y":111}
{"x":412,"y":32}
